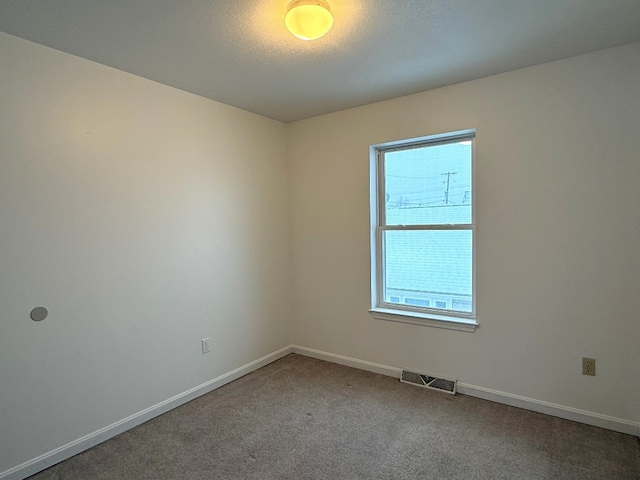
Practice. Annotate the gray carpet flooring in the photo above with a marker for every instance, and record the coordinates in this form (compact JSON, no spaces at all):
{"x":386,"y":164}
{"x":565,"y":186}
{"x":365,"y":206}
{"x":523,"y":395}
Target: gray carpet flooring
{"x":301,"y":418}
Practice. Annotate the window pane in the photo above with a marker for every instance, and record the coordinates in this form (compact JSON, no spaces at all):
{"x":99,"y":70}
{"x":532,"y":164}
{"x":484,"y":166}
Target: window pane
{"x":428,"y":185}
{"x":429,"y":267}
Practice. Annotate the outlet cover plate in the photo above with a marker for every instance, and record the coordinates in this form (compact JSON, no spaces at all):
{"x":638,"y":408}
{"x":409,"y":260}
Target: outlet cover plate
{"x":588,"y":366}
{"x":206,"y":345}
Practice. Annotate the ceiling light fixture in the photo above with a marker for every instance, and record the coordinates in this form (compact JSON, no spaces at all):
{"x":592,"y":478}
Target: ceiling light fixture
{"x":308,"y":19}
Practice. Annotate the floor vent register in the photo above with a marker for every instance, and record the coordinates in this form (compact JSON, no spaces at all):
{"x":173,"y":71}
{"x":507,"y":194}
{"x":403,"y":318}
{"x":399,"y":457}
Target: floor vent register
{"x":426,"y":380}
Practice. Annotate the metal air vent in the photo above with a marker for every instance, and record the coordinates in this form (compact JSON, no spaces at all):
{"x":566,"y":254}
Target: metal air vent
{"x":429,"y":381}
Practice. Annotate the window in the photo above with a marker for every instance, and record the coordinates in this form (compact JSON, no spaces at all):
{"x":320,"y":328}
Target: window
{"x":423,"y":231}
{"x":416,"y":301}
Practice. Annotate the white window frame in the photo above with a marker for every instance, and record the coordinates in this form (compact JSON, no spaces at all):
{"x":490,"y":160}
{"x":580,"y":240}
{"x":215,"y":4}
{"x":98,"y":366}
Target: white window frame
{"x":427,"y":316}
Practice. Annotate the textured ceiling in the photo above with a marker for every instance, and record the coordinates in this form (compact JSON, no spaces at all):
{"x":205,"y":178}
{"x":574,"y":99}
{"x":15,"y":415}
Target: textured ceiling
{"x":238,"y":51}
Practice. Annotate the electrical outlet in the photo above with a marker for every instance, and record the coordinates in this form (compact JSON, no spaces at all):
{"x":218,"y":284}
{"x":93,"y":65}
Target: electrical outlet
{"x":588,"y":366}
{"x":206,"y":345}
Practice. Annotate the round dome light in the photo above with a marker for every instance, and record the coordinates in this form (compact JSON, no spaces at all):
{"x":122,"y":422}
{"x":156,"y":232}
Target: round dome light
{"x":308,"y":19}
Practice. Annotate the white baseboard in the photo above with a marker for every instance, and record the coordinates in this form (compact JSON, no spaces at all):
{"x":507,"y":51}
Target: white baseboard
{"x":568,"y":413}
{"x":49,"y":459}
{"x":348,"y":361}
{"x":562,"y":411}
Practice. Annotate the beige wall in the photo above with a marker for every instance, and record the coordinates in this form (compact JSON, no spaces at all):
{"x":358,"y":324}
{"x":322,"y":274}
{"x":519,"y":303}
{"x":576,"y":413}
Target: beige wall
{"x":558,"y":232}
{"x":145,"y":219}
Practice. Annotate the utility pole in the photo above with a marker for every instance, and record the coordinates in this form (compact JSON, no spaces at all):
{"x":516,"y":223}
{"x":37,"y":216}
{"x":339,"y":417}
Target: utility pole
{"x":446,"y":192}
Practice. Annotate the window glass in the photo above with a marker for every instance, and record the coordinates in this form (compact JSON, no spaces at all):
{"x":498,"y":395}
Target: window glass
{"x":433,"y":263}
{"x":428,"y":185}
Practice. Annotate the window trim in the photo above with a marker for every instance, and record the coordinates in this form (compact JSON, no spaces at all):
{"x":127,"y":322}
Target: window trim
{"x":428,"y":316}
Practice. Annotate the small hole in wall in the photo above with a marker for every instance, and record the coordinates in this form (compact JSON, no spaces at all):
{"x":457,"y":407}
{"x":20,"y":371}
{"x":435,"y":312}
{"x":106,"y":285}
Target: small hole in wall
{"x":38,"y":314}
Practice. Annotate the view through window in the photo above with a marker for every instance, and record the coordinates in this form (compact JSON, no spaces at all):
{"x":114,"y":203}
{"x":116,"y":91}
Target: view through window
{"x":424,"y":226}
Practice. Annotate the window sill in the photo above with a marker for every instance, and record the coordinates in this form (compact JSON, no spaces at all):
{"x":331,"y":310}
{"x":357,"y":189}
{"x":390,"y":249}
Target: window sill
{"x":428,"y":320}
